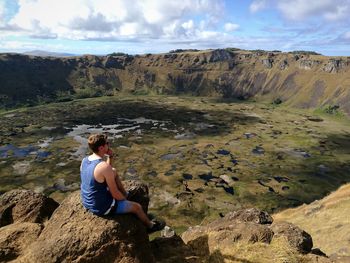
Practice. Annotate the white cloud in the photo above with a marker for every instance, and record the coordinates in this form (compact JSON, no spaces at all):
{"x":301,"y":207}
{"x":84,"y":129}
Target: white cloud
{"x":301,"y":9}
{"x":347,"y":35}
{"x":257,"y":5}
{"x":115,"y":19}
{"x":339,"y":12}
{"x":230,"y":27}
{"x":329,"y":9}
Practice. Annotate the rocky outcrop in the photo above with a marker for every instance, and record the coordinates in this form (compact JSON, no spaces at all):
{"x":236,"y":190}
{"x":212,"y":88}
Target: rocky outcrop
{"x":308,"y":64}
{"x":219,"y":55}
{"x":114,"y":62}
{"x":72,"y":234}
{"x":19,"y":206}
{"x":246,"y":74}
{"x":16,"y":237}
{"x":250,"y":215}
{"x":334,"y":65}
{"x":22,"y":214}
{"x":283,"y":64}
{"x":75,"y":235}
{"x":172,"y":250}
{"x":246,"y":226}
{"x":138,"y":192}
{"x":243,"y":225}
{"x":268,"y":62}
{"x":297,"y":238}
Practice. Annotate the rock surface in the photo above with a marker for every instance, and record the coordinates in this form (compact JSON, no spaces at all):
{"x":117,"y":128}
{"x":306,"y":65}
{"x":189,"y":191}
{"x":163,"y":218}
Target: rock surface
{"x":250,"y":215}
{"x":25,"y":206}
{"x":138,"y":192}
{"x":72,"y":234}
{"x":248,"y":225}
{"x":221,"y":72}
{"x":173,"y":250}
{"x":75,"y":235}
{"x":297,"y":238}
{"x":15,"y":237}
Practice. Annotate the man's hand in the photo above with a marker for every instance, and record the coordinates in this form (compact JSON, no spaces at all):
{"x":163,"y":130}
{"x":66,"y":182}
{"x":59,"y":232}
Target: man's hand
{"x":110,"y":153}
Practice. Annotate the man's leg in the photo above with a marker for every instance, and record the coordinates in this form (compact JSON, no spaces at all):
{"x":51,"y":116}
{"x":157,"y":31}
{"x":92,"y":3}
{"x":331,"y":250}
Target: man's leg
{"x":126,"y":206}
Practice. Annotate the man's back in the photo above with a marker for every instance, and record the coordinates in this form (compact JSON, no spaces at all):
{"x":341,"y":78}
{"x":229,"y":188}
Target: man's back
{"x":95,"y":196}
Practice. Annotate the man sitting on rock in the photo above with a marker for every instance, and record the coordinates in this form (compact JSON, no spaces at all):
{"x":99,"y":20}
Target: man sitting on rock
{"x":102,"y":192}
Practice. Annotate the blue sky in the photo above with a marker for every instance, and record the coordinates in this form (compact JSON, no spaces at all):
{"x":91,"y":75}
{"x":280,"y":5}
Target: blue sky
{"x":155,"y":26}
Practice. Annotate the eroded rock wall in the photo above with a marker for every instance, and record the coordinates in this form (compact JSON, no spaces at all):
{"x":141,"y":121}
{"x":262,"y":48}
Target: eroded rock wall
{"x":299,"y":80}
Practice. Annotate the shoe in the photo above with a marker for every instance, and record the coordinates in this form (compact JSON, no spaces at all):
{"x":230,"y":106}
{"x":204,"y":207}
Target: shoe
{"x":157,"y":226}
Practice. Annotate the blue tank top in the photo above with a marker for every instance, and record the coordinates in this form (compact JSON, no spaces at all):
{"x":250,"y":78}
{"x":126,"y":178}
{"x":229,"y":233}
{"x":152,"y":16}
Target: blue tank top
{"x":94,"y":195}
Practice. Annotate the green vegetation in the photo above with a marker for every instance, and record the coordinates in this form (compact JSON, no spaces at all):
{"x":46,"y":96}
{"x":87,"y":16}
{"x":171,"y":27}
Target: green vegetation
{"x":183,"y":50}
{"x":331,"y":110}
{"x":232,"y":49}
{"x":304,"y":52}
{"x":29,"y":81}
{"x":116,"y":54}
{"x":199,"y":157}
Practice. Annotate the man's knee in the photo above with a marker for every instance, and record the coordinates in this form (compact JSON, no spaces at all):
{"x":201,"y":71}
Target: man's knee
{"x":136,"y":207}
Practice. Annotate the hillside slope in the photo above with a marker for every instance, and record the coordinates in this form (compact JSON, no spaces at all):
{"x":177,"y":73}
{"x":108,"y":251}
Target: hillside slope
{"x":300,"y":80}
{"x":327,"y":220}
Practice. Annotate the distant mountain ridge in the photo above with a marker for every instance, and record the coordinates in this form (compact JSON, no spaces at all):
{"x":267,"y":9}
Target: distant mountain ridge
{"x":301,"y":80}
{"x":42,"y":53}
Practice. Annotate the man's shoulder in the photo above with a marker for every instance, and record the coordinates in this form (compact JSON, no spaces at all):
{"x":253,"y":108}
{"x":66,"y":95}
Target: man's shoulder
{"x":103,"y":165}
{"x":102,"y":169}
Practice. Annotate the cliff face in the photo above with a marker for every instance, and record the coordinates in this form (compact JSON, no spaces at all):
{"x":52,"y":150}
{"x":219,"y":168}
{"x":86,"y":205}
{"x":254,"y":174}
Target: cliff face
{"x":304,"y":81}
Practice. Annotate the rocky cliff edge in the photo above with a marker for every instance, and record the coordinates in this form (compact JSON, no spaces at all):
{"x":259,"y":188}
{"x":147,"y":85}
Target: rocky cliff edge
{"x":298,"y":80}
{"x":35,"y":228}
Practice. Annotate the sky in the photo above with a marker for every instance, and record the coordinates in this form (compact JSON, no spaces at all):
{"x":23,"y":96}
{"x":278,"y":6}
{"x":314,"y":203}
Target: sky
{"x":156,"y":26}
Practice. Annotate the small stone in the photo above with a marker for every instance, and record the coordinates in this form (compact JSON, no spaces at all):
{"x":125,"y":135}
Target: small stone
{"x":258,"y":150}
{"x":223,"y":152}
{"x":285,"y":188}
{"x":249,"y":135}
{"x":187,"y":176}
{"x":314,"y":119}
{"x":152,"y":174}
{"x":167,"y":232}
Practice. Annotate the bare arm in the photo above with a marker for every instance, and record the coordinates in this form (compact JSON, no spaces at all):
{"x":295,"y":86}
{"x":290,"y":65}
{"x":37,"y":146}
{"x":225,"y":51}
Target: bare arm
{"x":109,"y":157}
{"x":112,"y":185}
{"x":119,"y":183}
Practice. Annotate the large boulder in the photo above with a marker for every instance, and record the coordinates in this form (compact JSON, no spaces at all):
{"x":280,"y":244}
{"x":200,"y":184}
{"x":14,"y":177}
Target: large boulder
{"x":114,"y":62}
{"x":14,"y":238}
{"x":243,"y":225}
{"x":334,"y":65}
{"x":173,"y":250}
{"x":296,"y":237}
{"x":25,"y":206}
{"x":218,"y":55}
{"x":268,"y":62}
{"x":73,"y":234}
{"x":138,"y":192}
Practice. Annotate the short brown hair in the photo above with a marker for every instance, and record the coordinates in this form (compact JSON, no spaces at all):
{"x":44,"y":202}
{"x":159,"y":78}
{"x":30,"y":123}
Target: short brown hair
{"x":97,"y":140}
